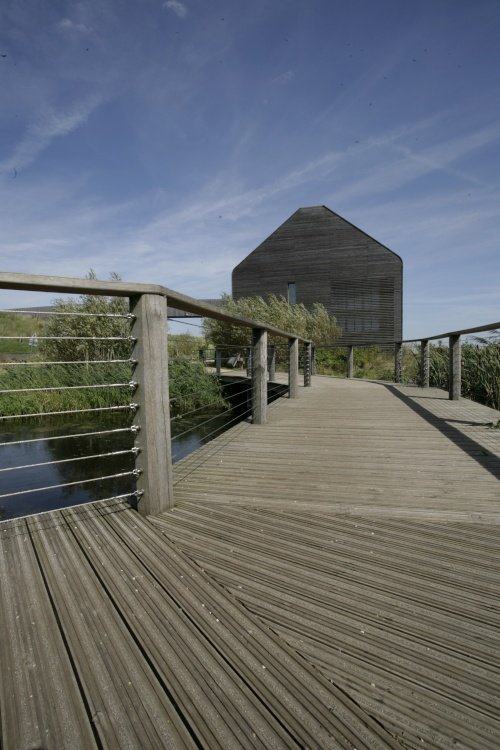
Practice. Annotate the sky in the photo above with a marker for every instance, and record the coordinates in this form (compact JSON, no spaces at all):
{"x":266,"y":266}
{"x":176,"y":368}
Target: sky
{"x":165,"y":139}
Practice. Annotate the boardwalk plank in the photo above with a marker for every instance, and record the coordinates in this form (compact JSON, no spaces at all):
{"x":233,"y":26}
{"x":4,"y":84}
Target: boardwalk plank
{"x":40,"y":701}
{"x":259,"y":677}
{"x":129,"y":707}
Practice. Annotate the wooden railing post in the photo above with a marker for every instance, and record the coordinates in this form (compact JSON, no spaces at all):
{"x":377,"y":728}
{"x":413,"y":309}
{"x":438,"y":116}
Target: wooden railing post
{"x":259,"y":376}
{"x":455,"y":368}
{"x":398,"y":362}
{"x":293,"y":368}
{"x":153,"y":414}
{"x":313,"y":361}
{"x":307,"y":364}
{"x":218,"y":361}
{"x":271,"y":366}
{"x":350,"y":361}
{"x":424,"y":363}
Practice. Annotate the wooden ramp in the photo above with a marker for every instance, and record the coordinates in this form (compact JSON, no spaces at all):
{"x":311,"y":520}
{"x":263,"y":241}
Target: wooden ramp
{"x":362,"y":525}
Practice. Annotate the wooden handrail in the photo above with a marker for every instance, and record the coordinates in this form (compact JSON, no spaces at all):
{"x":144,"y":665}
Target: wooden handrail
{"x":61,"y":284}
{"x":462,"y":332}
{"x":392,"y":342}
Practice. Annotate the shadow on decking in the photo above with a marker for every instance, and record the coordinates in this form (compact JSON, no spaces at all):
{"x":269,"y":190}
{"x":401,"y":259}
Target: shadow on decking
{"x":487,"y":460}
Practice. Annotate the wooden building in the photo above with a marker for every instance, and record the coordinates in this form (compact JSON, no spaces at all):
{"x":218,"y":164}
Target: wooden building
{"x":317,"y":256}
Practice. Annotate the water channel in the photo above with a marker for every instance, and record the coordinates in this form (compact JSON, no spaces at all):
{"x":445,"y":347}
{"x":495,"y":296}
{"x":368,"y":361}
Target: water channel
{"x":43,"y":460}
{"x":70,"y":471}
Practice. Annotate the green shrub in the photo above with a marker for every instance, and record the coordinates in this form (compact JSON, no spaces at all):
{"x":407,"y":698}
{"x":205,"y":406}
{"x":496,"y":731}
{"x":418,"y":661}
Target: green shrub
{"x":191,"y":386}
{"x":369,"y":362}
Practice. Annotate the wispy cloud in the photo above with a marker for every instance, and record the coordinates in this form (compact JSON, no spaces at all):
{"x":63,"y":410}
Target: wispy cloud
{"x":284,"y":78}
{"x":48,"y":125}
{"x":402,"y":165}
{"x":68,"y":24}
{"x":180,"y":9}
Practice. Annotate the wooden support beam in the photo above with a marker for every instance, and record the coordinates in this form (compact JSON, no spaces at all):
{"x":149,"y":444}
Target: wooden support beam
{"x":350,"y":361}
{"x":249,"y":362}
{"x":424,"y":363}
{"x":153,"y":415}
{"x":293,"y":368}
{"x":398,"y":362}
{"x":455,"y":368}
{"x":259,"y":376}
{"x":307,"y":364}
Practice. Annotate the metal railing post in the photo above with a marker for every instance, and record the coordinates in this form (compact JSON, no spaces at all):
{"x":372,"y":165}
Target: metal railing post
{"x":350,"y":361}
{"x":272,"y":362}
{"x":293,"y":368}
{"x":455,"y":368}
{"x":398,"y":362}
{"x":307,"y":364}
{"x":259,"y":376}
{"x":153,"y":415}
{"x":424,"y":363}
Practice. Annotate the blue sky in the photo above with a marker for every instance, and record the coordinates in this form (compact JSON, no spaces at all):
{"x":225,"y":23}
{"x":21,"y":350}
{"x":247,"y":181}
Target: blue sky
{"x":164,"y":140}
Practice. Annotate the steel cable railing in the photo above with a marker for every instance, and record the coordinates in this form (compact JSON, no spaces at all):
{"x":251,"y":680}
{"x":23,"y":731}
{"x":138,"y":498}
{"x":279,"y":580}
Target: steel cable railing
{"x":133,"y":429}
{"x":48,"y":388}
{"x":57,"y":457}
{"x":239,"y":410}
{"x":110,"y":454}
{"x":65,"y":412}
{"x":70,"y":378}
{"x":37,"y":363}
{"x":17,"y":493}
{"x":224,"y":427}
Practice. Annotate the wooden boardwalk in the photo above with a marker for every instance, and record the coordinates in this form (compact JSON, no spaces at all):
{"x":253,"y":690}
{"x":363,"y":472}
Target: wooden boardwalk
{"x":327,"y":580}
{"x":362,"y":524}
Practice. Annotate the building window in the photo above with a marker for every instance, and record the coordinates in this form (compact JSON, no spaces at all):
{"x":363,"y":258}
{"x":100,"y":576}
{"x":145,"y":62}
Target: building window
{"x":292,"y":293}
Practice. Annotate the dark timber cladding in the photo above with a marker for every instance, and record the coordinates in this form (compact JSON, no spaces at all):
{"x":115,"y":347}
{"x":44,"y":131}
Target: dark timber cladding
{"x":317,"y":256}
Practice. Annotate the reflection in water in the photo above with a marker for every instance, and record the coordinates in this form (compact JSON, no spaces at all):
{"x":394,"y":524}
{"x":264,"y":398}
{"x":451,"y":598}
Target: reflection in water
{"x":78,"y":447}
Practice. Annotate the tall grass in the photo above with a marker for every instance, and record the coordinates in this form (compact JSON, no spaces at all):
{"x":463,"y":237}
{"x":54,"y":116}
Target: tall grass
{"x":480,"y":370}
{"x":60,"y":376}
{"x":480,"y":366}
{"x":190,"y":387}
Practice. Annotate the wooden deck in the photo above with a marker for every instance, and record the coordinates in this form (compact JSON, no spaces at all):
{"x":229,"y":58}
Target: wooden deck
{"x":330,"y":579}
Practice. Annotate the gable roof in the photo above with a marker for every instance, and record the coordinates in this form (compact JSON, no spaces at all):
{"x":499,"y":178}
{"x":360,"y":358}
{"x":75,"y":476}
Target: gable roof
{"x":323,"y":213}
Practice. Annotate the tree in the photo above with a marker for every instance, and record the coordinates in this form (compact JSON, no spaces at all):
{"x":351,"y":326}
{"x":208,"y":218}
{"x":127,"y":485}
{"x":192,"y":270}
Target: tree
{"x":184,"y":345}
{"x":315,"y":323}
{"x":88,"y":316}
{"x":92,"y":328}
